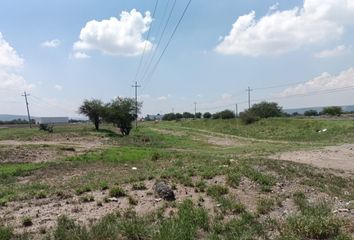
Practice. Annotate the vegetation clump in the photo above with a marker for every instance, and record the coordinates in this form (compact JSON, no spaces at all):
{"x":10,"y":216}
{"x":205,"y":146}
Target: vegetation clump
{"x":117,"y":192}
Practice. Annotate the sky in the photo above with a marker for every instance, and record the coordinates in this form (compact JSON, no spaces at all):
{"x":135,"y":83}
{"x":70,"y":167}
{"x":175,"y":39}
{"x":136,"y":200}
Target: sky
{"x":296,"y":53}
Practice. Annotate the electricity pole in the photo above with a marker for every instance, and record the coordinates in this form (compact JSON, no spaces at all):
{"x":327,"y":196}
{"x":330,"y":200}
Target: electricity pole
{"x":195,"y":109}
{"x":236,"y":113}
{"x":249,"y":90}
{"x":136,"y":86}
{"x":28,"y":113}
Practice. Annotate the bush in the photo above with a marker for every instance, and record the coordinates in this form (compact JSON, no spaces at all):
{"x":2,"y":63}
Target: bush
{"x":207,"y":115}
{"x":188,"y":115}
{"x":169,"y":117}
{"x":310,"y":113}
{"x":248,"y":117}
{"x":179,"y":116}
{"x":333,"y":111}
{"x":266,"y":110}
{"x":198,"y":115}
{"x":117,"y":192}
{"x":226,"y":114}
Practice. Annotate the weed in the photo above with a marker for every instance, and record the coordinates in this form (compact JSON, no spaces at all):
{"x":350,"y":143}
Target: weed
{"x":265,"y":205}
{"x":83,"y":189}
{"x":27,"y":221}
{"x":87,"y":198}
{"x":217,"y":190}
{"x":201,"y":186}
{"x":139,"y":186}
{"x":104,"y":185}
{"x":234,"y":179}
{"x":132,"y":200}
{"x":117,"y":192}
{"x":5,"y":233}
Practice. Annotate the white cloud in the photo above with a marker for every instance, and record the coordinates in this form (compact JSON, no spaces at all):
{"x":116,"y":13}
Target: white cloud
{"x":274,"y":7}
{"x":226,"y":96}
{"x":8,"y":56}
{"x":13,"y":81}
{"x":58,"y":87}
{"x":162,"y":98}
{"x":51,"y":44}
{"x":323,"y":82}
{"x":146,"y":96}
{"x":335,"y":52}
{"x":81,"y":55}
{"x":317,"y":21}
{"x":114,"y":36}
{"x":10,"y":63}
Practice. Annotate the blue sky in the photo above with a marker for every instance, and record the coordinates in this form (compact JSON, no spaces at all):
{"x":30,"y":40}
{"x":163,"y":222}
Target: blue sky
{"x":220,"y":49}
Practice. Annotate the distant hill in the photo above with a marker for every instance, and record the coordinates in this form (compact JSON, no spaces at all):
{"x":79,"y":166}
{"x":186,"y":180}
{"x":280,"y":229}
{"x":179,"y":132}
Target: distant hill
{"x":348,"y":108}
{"x":7,"y":117}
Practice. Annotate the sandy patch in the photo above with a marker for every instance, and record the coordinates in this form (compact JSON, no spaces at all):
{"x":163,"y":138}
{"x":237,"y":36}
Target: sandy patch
{"x":334,"y":157}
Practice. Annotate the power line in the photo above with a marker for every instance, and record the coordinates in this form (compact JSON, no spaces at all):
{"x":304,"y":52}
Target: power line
{"x":150,"y":61}
{"x":168,"y":42}
{"x":146,"y":42}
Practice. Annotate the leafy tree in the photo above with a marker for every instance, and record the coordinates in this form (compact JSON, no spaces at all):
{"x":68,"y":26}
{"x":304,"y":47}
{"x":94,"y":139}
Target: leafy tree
{"x":121,"y":112}
{"x":207,"y":115}
{"x":310,"y":113}
{"x":226,"y":114}
{"x":266,"y":110}
{"x":198,"y":115}
{"x":248,"y":117}
{"x":93,"y":110}
{"x":169,"y":117}
{"x":333,"y":111}
{"x":179,"y":116}
{"x":187,"y":115}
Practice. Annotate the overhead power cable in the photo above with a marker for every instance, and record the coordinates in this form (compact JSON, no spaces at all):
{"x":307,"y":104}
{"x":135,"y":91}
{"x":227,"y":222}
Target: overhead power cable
{"x":151,"y":59}
{"x":168,"y":43}
{"x":146,"y":42}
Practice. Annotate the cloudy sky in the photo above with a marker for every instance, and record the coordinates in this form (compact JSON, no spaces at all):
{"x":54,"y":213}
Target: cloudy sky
{"x":298,"y":53}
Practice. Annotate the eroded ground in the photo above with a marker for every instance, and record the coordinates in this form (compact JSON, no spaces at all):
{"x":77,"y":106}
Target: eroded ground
{"x":226,"y":175}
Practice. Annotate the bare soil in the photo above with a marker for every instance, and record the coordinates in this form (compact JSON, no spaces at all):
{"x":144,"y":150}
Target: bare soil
{"x":333,"y":157}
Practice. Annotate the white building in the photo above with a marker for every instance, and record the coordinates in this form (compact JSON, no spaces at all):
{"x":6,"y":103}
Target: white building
{"x":52,"y":120}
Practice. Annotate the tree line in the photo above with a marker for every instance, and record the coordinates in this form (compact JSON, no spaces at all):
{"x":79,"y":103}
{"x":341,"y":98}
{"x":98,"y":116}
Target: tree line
{"x":253,"y":114}
{"x":121,"y":112}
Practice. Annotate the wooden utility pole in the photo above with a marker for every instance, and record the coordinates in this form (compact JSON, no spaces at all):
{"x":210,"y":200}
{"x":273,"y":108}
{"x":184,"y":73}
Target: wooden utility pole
{"x":249,"y":90}
{"x":136,"y":86}
{"x":236,"y":113}
{"x":195,"y":110}
{"x":28,"y":112}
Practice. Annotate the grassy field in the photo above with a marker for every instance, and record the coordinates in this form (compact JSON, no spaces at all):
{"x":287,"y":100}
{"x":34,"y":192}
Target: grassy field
{"x":99,"y":185}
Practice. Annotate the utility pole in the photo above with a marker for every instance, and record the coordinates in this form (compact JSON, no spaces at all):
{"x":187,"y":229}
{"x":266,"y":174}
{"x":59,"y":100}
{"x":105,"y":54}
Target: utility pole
{"x":136,"y":86}
{"x":236,"y":113}
{"x":28,"y":113}
{"x":195,"y":109}
{"x":249,"y":90}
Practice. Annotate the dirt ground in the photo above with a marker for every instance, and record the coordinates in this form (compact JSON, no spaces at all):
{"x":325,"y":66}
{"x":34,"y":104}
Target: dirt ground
{"x":333,"y":157}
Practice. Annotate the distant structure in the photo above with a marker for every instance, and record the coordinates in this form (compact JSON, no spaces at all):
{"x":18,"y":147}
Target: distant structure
{"x":52,"y":120}
{"x":157,"y":117}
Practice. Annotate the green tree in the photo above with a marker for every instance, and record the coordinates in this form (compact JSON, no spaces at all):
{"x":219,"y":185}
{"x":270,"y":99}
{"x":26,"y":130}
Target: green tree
{"x":207,"y":115}
{"x":310,"y":113}
{"x":198,"y":115}
{"x":169,"y":117}
{"x":121,"y":112}
{"x":187,"y":115}
{"x":333,"y":111}
{"x":93,"y":110}
{"x":266,"y":110}
{"x":226,"y":114}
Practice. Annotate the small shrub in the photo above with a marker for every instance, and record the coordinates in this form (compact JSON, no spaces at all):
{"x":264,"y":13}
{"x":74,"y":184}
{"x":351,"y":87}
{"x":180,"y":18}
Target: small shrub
{"x":87,"y":198}
{"x":67,"y":229}
{"x":201,"y":186}
{"x":139,"y":186}
{"x":248,"y":117}
{"x":265,"y":205}
{"x":27,"y":221}
{"x":104,"y":185}
{"x":217,"y":190}
{"x":155,"y":156}
{"x":83,"y":189}
{"x":132,"y":201}
{"x":41,"y":195}
{"x":233,"y":179}
{"x":117,"y":192}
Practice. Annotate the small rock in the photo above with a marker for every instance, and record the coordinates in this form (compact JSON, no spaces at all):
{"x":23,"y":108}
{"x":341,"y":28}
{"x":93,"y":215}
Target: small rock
{"x":218,"y":205}
{"x":342,"y":210}
{"x":113,"y":199}
{"x":158,"y":199}
{"x":134,"y":168}
{"x":164,"y":191}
